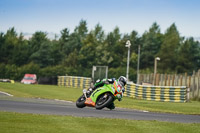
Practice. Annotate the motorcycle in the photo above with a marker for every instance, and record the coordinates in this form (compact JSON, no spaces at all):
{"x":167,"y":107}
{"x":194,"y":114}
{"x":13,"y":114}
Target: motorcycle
{"x":101,"y":97}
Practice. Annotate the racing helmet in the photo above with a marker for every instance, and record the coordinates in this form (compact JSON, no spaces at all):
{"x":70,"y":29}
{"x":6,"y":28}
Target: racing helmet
{"x":122,"y":80}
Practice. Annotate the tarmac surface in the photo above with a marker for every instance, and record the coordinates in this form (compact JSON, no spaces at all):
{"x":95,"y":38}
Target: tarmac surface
{"x":59,"y":107}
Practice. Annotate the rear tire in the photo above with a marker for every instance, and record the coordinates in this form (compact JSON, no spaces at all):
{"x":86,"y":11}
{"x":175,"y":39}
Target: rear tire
{"x":104,"y":100}
{"x":80,"y":103}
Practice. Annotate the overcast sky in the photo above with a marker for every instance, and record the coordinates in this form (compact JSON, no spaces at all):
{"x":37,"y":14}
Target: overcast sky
{"x":29,"y":16}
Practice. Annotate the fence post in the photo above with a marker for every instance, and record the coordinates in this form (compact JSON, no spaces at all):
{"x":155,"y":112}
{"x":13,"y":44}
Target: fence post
{"x":144,"y":78}
{"x":165,"y":79}
{"x":152,"y":78}
{"x":149,"y":78}
{"x":173,"y":78}
{"x":177,"y":80}
{"x":181,"y":79}
{"x":169,"y":80}
{"x":189,"y":81}
{"x":186,"y":79}
{"x":198,"y":95}
{"x":193,"y":85}
{"x":157,"y":78}
{"x":188,"y":94}
{"x":161,"y":75}
{"x":198,"y":84}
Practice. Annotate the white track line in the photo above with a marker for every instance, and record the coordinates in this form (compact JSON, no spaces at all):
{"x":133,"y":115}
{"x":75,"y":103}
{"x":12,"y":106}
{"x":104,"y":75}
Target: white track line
{"x":6,"y":93}
{"x":63,"y":101}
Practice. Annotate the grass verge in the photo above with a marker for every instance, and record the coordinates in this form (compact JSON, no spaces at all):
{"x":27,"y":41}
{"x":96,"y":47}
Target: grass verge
{"x":72,"y":94}
{"x":41,"y":91}
{"x":34,"y":123}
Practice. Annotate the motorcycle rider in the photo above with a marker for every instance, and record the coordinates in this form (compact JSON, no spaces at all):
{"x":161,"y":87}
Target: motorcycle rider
{"x":121,"y":81}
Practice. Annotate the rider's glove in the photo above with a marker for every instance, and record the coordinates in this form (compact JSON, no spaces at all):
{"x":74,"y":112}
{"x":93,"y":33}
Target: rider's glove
{"x":105,"y":81}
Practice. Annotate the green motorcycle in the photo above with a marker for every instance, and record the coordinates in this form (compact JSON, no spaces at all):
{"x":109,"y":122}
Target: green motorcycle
{"x":101,"y":97}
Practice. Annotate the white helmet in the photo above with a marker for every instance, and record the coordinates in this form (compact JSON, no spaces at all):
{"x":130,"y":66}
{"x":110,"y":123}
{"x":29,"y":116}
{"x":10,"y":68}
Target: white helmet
{"x":122,"y":80}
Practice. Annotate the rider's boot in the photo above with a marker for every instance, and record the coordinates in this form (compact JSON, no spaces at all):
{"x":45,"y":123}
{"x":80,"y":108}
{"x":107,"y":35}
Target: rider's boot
{"x":111,"y":106}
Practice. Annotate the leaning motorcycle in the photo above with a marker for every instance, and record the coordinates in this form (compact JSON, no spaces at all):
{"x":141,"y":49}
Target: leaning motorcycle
{"x":101,"y":97}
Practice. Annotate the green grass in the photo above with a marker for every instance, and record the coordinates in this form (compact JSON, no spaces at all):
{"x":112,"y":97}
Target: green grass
{"x":34,"y":123}
{"x":72,"y":94}
{"x":192,"y":107}
{"x":41,"y":91}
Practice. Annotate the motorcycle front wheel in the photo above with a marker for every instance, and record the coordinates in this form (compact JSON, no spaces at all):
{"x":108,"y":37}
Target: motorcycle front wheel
{"x":80,"y":103}
{"x":104,"y":100}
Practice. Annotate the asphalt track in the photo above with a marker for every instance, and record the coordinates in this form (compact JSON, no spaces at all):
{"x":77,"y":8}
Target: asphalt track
{"x":56,"y":107}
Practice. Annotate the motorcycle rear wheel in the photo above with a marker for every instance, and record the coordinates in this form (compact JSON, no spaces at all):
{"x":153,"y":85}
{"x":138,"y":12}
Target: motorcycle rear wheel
{"x":104,"y":100}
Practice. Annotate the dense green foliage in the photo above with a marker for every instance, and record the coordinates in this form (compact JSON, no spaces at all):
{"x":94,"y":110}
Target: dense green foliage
{"x":75,"y":53}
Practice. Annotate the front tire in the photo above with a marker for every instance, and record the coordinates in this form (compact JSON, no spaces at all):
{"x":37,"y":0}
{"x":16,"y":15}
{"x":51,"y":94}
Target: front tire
{"x":80,"y":103}
{"x":104,"y":100}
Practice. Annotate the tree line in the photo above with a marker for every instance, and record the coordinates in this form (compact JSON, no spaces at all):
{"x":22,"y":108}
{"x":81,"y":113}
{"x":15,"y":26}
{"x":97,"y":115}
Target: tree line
{"x":74,"y":53}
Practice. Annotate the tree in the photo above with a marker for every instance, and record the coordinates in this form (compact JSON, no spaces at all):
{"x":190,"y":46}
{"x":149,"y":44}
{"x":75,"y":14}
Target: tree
{"x":81,"y":30}
{"x":78,"y":51}
{"x":88,"y":51}
{"x":20,"y":53}
{"x":99,"y":38}
{"x":43,"y":56}
{"x":64,"y":39}
{"x":56,"y":53}
{"x":135,"y":42}
{"x":114,"y":48}
{"x":2,"y":41}
{"x":14,"y":49}
{"x":92,"y":47}
{"x":72,"y":59}
{"x":36,"y":41}
{"x":151,"y":42}
{"x":9,"y":40}
{"x":74,"y":41}
{"x":188,"y":56}
{"x":169,"y":49}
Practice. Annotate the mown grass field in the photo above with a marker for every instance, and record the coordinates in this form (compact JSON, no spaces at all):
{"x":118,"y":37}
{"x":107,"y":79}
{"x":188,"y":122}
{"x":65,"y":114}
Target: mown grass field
{"x":34,"y":123}
{"x":71,"y":94}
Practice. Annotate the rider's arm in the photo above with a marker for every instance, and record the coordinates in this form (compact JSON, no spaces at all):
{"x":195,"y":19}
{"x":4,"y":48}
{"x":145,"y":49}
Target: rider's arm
{"x":99,"y":83}
{"x":111,"y":81}
{"x":121,"y":95}
{"x":123,"y":90}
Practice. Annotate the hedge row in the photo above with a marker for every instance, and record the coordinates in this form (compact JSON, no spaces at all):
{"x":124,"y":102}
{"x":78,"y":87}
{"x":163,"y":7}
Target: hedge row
{"x":16,"y":73}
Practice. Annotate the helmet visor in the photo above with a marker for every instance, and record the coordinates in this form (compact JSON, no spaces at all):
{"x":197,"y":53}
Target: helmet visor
{"x":121,"y":83}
